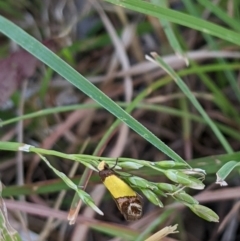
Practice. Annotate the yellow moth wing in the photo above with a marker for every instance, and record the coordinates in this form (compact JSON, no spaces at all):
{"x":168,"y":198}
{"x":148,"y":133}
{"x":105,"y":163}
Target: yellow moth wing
{"x":117,"y":187}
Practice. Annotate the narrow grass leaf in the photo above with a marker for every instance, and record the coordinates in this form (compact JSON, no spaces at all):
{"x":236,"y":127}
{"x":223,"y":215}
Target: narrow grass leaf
{"x":181,"y":84}
{"x":179,"y":18}
{"x":48,"y":57}
{"x":167,"y":28}
{"x":215,"y":9}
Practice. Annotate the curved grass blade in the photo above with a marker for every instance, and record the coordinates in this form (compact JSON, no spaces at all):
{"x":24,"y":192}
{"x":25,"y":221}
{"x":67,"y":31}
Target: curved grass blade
{"x":181,"y":84}
{"x":224,"y":171}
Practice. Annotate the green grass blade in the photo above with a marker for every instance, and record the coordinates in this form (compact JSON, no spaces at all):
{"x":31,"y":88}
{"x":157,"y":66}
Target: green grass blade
{"x":49,"y":58}
{"x":194,"y":101}
{"x":196,"y":69}
{"x":179,"y":18}
{"x":231,"y":22}
{"x":167,"y":28}
{"x":193,"y":10}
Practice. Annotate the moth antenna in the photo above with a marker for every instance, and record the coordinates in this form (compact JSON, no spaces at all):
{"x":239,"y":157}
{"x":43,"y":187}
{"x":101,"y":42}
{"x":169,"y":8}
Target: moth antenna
{"x":115,"y":164}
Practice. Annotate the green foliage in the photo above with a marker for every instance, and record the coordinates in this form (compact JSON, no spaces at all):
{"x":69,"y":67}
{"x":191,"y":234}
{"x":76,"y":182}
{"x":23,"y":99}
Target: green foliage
{"x":150,"y":189}
{"x":176,"y":169}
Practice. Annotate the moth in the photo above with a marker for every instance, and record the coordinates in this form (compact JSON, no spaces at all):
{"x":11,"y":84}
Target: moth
{"x":128,"y":201}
